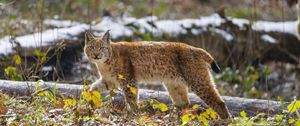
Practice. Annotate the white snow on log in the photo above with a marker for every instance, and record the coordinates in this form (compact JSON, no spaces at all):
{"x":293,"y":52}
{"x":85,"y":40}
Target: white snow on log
{"x":175,"y":27}
{"x":240,"y":22}
{"x":283,"y":27}
{"x":268,"y":38}
{"x":122,"y":26}
{"x":60,"y":23}
{"x":5,"y":45}
{"x":47,"y":36}
{"x":47,"y":68}
{"x":226,"y":35}
{"x":117,"y":29}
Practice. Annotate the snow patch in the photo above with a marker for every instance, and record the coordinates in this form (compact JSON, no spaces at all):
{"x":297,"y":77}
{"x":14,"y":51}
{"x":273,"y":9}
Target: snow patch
{"x":240,"y":22}
{"x":42,"y":38}
{"x":268,"y":38}
{"x":47,"y":68}
{"x":226,"y":35}
{"x":125,"y":26}
{"x":285,"y":27}
{"x":116,"y":29}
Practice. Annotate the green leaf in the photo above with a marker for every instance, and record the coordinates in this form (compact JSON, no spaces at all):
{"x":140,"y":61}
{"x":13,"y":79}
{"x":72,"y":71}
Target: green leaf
{"x":147,"y":37}
{"x":267,"y":71}
{"x":54,"y":92}
{"x":205,"y":122}
{"x":255,"y":76}
{"x":281,"y":103}
{"x":12,"y":17}
{"x":37,"y":53}
{"x":11,"y":72}
{"x":294,"y":106}
{"x":37,"y":85}
{"x":44,"y":59}
{"x":243,"y":114}
{"x":279,"y":117}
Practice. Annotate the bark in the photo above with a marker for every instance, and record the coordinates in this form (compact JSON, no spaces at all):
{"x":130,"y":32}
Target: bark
{"x":235,"y":104}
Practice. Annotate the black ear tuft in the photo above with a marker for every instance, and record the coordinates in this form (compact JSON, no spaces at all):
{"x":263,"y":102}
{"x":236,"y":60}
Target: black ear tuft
{"x":106,"y":38}
{"x":88,"y":37}
{"x":215,"y":67}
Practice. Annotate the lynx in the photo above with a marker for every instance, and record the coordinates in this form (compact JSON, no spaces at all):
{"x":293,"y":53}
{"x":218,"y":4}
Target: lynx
{"x":177,"y":66}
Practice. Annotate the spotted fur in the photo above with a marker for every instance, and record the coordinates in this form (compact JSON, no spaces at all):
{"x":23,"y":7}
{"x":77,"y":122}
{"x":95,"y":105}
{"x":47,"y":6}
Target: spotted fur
{"x":176,"y":65}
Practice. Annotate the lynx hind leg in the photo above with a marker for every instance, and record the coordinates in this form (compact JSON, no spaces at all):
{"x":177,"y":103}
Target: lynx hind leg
{"x":178,"y":92}
{"x":202,"y":84}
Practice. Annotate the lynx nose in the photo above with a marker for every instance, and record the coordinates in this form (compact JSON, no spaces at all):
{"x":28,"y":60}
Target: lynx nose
{"x":98,"y":57}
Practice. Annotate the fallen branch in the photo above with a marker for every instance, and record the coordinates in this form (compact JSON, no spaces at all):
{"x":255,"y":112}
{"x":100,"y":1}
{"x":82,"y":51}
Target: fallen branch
{"x":235,"y":104}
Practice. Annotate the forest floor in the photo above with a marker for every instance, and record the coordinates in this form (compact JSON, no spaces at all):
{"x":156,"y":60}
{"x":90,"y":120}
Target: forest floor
{"x":42,"y":108}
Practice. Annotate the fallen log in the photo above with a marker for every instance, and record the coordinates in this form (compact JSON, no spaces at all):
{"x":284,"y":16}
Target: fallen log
{"x":235,"y":104}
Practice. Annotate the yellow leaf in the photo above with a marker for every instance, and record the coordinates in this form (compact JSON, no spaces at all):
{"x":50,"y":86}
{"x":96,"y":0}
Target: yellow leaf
{"x":96,"y":94}
{"x":70,"y":102}
{"x":205,"y":114}
{"x":185,"y":119}
{"x":86,"y":88}
{"x":291,"y":121}
{"x":121,"y":77}
{"x":297,"y":123}
{"x":212,"y":113}
{"x":17,"y":59}
{"x":96,"y":98}
{"x":161,"y":106}
{"x":195,"y":106}
{"x":96,"y":102}
{"x":132,"y":89}
{"x":112,"y":93}
{"x":87,"y":96}
{"x":42,"y":94}
{"x":294,"y":106}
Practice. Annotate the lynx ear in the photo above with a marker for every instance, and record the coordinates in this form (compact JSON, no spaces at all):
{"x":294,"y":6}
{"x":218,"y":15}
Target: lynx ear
{"x":106,"y":38}
{"x":88,"y":37}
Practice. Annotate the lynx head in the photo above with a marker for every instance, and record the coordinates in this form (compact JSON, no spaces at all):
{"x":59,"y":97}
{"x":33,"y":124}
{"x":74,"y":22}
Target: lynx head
{"x":97,"y":49}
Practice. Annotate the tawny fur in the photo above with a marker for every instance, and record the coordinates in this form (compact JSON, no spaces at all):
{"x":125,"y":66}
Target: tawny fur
{"x":176,"y":65}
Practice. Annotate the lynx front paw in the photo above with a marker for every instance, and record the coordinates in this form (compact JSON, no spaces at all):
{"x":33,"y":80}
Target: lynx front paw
{"x":95,"y":86}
